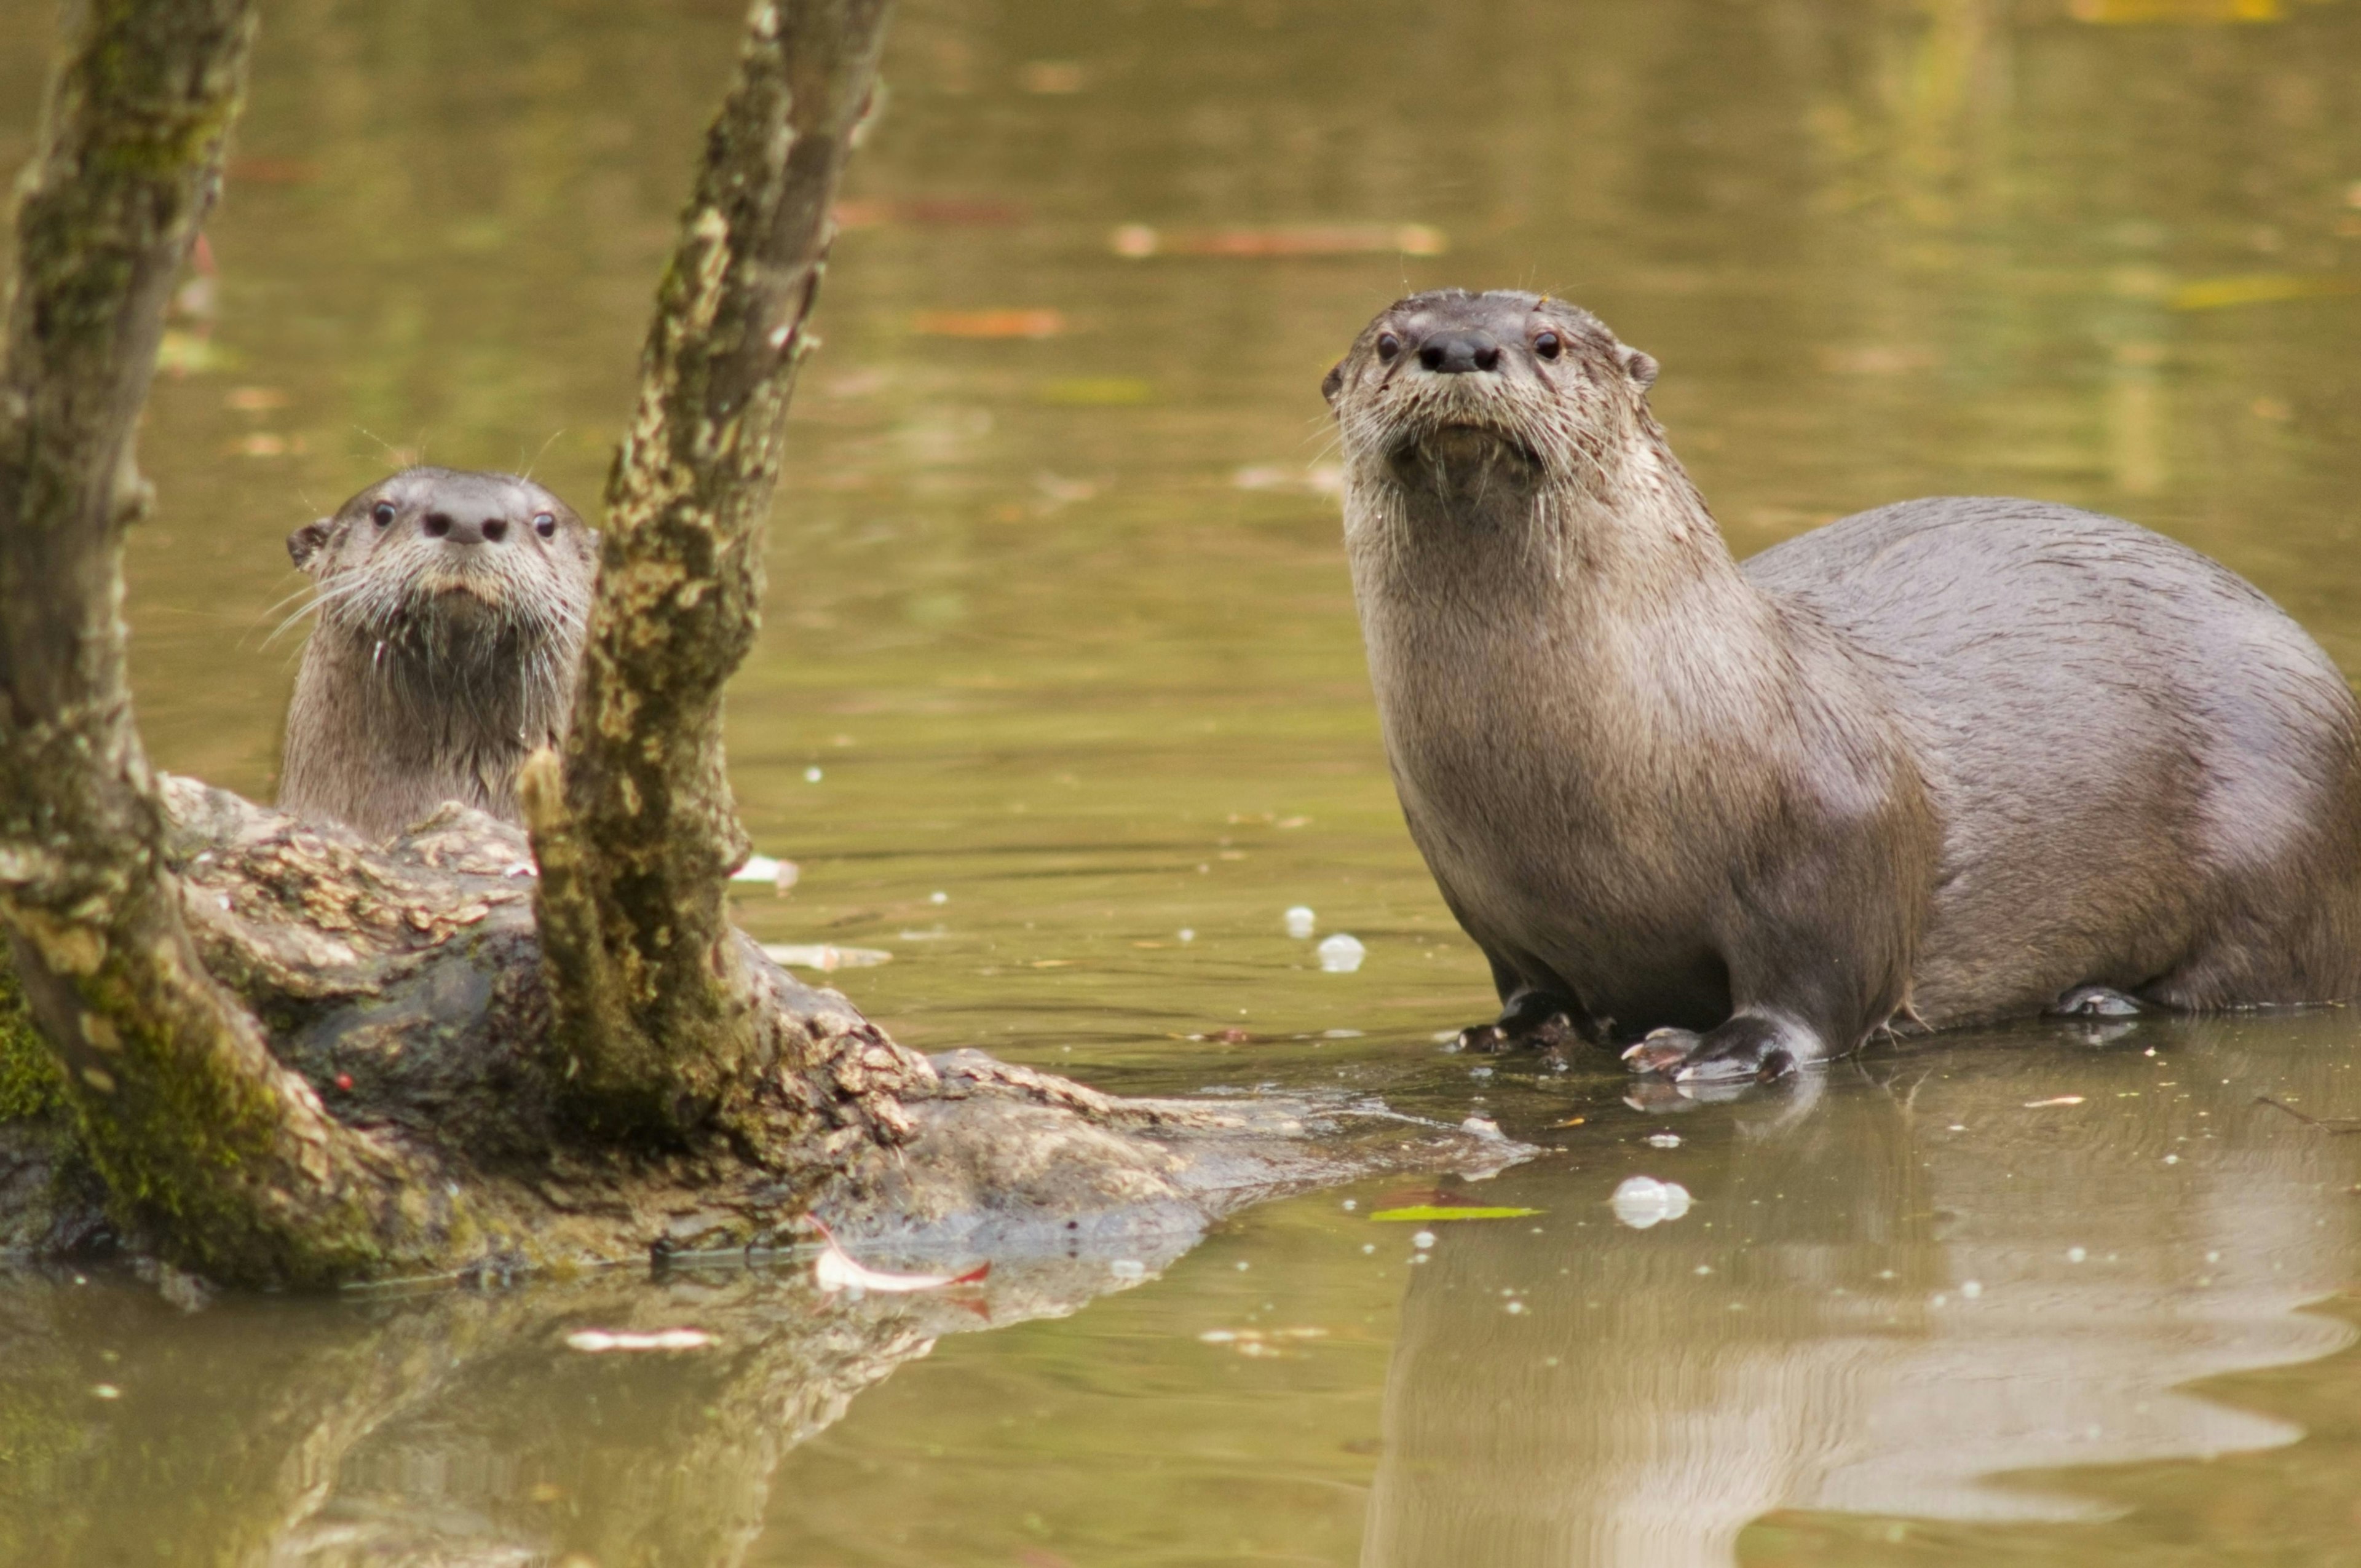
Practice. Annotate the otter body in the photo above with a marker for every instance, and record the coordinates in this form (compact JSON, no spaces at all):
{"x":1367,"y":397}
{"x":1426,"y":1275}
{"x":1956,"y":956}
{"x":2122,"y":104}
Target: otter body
{"x":451,"y":610}
{"x":1949,"y":760}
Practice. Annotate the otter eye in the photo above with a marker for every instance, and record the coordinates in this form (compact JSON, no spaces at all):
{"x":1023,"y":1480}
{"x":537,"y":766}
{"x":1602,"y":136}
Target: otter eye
{"x":382,"y":514}
{"x":1388,"y":346}
{"x":545,"y":523}
{"x":1546,"y":346}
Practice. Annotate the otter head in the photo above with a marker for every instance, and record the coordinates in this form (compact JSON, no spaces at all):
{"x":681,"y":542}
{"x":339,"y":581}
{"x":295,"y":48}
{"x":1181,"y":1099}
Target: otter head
{"x":1479,"y":401}
{"x":432,"y":560}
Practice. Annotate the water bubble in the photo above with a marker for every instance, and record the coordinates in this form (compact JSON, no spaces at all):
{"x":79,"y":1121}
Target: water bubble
{"x":811,"y":775}
{"x":1299,"y":922}
{"x":1341,"y":954}
{"x":1186,"y":935}
{"x":1423,"y":1240}
{"x":1642,"y":1201}
{"x":938,"y":898}
{"x":1664,"y":1140}
{"x":1971,"y":1288}
{"x":2076,"y":1254}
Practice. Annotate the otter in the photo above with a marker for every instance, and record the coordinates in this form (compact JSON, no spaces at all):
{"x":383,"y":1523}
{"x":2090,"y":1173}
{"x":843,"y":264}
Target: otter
{"x":1948,"y":761}
{"x":451,"y":610}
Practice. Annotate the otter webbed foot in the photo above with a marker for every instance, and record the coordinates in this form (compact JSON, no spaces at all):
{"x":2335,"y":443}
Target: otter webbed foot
{"x":1529,"y":1018}
{"x":1741,"y":1046}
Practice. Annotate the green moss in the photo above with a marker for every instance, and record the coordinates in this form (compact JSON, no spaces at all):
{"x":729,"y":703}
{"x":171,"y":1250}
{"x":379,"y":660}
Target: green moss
{"x":30,"y":1085}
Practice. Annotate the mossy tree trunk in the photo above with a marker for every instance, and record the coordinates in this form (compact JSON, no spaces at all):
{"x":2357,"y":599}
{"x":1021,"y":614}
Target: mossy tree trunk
{"x":656,"y":1017}
{"x":196,"y":1129}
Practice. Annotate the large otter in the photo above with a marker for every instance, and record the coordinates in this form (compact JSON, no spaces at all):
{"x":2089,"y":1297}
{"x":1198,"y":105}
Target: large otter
{"x":451,"y":610}
{"x":1944,"y":761}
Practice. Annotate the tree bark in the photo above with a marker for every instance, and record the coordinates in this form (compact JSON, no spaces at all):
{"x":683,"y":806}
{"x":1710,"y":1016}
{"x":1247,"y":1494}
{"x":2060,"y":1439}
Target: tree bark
{"x":656,"y":1020}
{"x":196,"y":1130}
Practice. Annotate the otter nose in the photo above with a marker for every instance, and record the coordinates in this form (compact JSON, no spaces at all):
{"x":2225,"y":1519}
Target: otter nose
{"x":460,"y":530}
{"x":1457,"y":353}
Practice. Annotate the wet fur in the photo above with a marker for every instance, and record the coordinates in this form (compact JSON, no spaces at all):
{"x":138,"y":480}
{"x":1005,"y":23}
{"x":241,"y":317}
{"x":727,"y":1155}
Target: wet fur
{"x":1935,"y":763}
{"x":435,"y":668}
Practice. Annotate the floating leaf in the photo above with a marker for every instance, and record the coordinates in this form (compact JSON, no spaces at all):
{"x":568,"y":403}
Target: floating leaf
{"x":1138,"y":241}
{"x":2258,"y":289}
{"x":1424,"y":1214}
{"x":781,"y":874}
{"x":2121,"y":13}
{"x":837,"y":1270}
{"x":824,"y":956}
{"x":989,"y":323}
{"x":597,"y":1341}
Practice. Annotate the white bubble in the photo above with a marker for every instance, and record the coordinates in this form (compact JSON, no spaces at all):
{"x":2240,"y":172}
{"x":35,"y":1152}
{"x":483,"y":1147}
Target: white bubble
{"x":1664,"y":1140}
{"x":1423,"y":1240}
{"x":1341,"y":954}
{"x":1301,"y":922}
{"x":1642,"y":1201}
{"x":1971,"y":1288}
{"x":938,"y":898}
{"x":2076,"y":1254}
{"x":1186,"y":935}
{"x":811,"y":775}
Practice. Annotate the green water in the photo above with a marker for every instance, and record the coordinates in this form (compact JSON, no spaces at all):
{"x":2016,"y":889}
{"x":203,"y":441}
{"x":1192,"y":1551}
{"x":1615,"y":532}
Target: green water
{"x":1060,"y":663}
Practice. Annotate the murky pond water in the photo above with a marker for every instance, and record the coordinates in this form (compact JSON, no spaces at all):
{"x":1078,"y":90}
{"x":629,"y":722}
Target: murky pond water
{"x":1061,"y":703}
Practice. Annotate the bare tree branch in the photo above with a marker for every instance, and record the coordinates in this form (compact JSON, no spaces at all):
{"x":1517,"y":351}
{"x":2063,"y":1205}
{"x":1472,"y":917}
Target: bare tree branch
{"x":655,"y":1021}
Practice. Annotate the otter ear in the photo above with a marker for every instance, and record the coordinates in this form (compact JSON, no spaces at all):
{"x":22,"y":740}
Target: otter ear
{"x":1640,"y":367}
{"x":1334,"y":382}
{"x":305,"y":541}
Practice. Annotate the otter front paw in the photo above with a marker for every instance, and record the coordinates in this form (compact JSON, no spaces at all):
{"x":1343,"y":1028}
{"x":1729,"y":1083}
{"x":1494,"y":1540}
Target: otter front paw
{"x":1742,"y":1046}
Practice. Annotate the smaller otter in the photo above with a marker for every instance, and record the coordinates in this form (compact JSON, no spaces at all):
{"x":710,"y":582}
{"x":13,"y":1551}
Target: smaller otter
{"x":1947,"y":761}
{"x":450,"y":609}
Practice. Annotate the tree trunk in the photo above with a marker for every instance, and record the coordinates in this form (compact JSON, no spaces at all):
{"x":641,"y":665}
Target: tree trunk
{"x":654,"y":1012}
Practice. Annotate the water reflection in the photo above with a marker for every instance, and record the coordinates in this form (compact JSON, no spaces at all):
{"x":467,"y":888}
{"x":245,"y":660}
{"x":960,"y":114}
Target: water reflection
{"x":447,"y":1427}
{"x":1961,"y":1264}
{"x":1895,"y":1292}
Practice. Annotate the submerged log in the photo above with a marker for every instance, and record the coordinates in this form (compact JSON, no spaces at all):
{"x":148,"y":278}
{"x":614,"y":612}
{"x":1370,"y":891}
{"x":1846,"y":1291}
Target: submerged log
{"x":401,"y":985}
